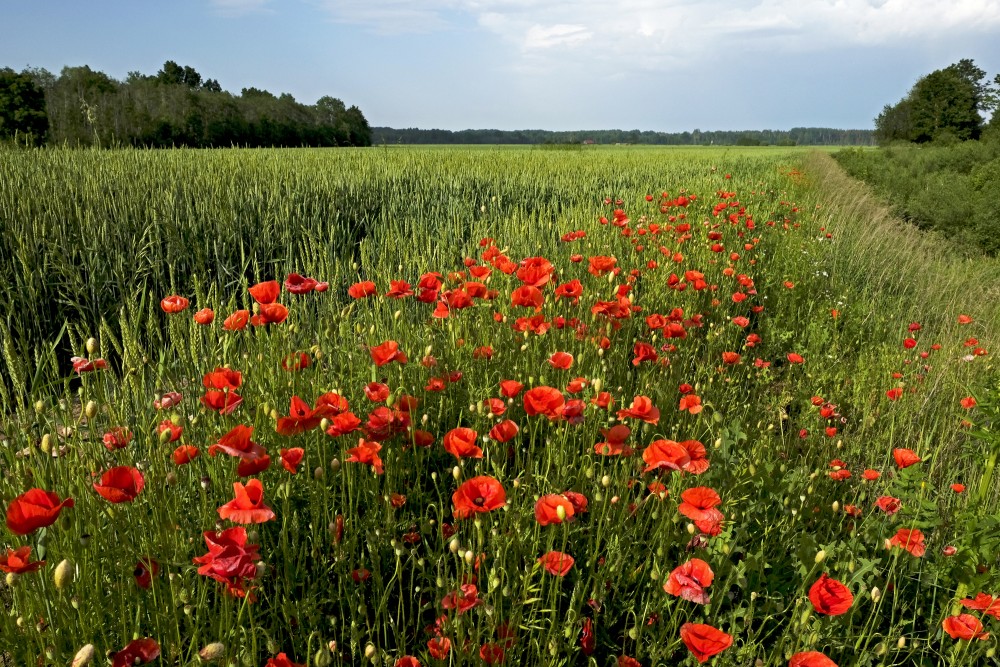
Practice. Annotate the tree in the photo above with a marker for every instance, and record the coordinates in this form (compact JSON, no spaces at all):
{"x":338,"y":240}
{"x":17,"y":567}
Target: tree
{"x":22,"y":106}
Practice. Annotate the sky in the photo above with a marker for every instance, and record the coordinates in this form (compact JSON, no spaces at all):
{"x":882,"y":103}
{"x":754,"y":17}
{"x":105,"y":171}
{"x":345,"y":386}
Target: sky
{"x":663,"y":65}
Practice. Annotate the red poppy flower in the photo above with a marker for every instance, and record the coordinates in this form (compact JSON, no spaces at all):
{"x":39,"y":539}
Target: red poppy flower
{"x":81,"y":365}
{"x":204,"y":317}
{"x":137,"y":652}
{"x":888,"y":504}
{"x":407,"y":661}
{"x":794,"y":358}
{"x":910,"y":539}
{"x":291,"y":458}
{"x":120,"y":485}
{"x":230,"y":560}
{"x":570,"y":290}
{"x":222,"y":378}
{"x":510,"y":388}
{"x":237,"y":443}
{"x":387,"y":352}
{"x":547,"y":509}
{"x":665,"y":454}
{"x":699,"y":504}
{"x":185,"y":454}
{"x":367,"y":453}
{"x":704,"y":641}
{"x":905,"y":457}
{"x":144,"y":571}
{"x":461,"y":443}
{"x":439,"y":647}
{"x":464,"y":599}
{"x":236,"y":321}
{"x":478,"y":495}
{"x":587,"y":640}
{"x":810,"y":659}
{"x":223,"y":402}
{"x":527,"y":296}
{"x":690,"y":403}
{"x":117,"y":438}
{"x":362,"y":289}
{"x":167,"y":426}
{"x":642,"y":408}
{"x":557,"y":563}
{"x":544,"y":400}
{"x":282,"y":660}
{"x":600,"y":265}
{"x":491,"y":653}
{"x":894,"y":394}
{"x":964,"y":626}
{"x":253,"y":466}
{"x":689,"y":581}
{"x":561,"y":360}
{"x":730,"y":358}
{"x":173,"y":304}
{"x":271,"y":313}
{"x":376,"y":392}
{"x":18,"y":561}
{"x":302,"y":418}
{"x":871,"y":475}
{"x":627,"y":661}
{"x":265,"y":293}
{"x":987,"y":604}
{"x":248,"y":506}
{"x":504,"y":431}
{"x":297,"y":284}
{"x":830,"y":597}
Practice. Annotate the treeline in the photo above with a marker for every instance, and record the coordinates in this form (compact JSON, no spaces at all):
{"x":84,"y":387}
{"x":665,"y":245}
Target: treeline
{"x":174,"y":107}
{"x":946,"y":105}
{"x":939,"y":164}
{"x":801,"y":136}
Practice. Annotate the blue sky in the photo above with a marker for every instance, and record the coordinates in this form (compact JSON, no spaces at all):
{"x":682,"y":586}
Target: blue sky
{"x":668,"y":65}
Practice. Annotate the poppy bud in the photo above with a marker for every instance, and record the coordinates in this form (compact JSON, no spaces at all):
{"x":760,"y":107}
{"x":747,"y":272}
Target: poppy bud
{"x":212,"y":652}
{"x":820,"y":556}
{"x":165,"y":436}
{"x":83,"y":656}
{"x":39,"y":407}
{"x":456,"y":472}
{"x":690,"y":529}
{"x":47,"y":443}
{"x":901,"y":643}
{"x":369,"y":651}
{"x":335,"y":464}
{"x":64,"y":574}
{"x":318,"y":473}
{"x":12,"y":578}
{"x":322,"y":657}
{"x":876,"y":594}
{"x":561,"y":512}
{"x":453,"y":546}
{"x":273,"y":647}
{"x":469,"y":556}
{"x":75,"y":602}
{"x":90,"y":410}
{"x":606,"y":481}
{"x":92,"y":346}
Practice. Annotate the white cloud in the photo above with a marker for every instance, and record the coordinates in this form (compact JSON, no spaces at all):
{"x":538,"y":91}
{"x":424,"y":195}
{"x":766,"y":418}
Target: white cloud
{"x":639,"y":25}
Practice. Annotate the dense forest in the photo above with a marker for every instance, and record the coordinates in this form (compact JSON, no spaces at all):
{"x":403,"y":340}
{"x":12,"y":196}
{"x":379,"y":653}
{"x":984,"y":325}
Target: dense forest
{"x":801,"y":136}
{"x":177,"y":106}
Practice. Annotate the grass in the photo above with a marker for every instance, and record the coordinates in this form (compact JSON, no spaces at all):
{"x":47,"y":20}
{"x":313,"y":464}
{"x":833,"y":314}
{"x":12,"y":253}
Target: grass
{"x":358,"y":565}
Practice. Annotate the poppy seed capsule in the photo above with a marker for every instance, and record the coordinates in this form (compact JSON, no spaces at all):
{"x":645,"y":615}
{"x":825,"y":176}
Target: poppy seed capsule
{"x":212,"y":652}
{"x":63,"y":575}
{"x":83,"y":656}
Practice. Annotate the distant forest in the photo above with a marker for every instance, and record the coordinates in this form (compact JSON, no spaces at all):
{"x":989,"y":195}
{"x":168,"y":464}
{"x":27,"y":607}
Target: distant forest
{"x":798,"y":136}
{"x":177,"y":106}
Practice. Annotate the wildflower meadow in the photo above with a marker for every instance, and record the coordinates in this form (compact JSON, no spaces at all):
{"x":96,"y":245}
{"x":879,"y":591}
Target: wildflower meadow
{"x":406,"y":406}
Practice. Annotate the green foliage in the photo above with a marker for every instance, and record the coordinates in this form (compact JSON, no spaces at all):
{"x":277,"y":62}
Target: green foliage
{"x":943,"y":106}
{"x":948,"y":186}
{"x":22,"y":108}
{"x":175,"y":107}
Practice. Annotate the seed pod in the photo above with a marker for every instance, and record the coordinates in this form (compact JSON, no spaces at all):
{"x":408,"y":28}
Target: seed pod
{"x":90,"y":410}
{"x":83,"y":656}
{"x":64,"y":574}
{"x":212,"y":652}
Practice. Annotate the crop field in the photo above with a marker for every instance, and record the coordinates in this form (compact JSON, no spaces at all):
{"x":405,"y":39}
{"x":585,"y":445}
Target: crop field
{"x":477,"y":406}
